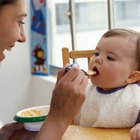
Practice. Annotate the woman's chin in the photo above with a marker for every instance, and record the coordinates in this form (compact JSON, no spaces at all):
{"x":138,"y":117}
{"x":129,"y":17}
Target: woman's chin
{"x":2,"y":56}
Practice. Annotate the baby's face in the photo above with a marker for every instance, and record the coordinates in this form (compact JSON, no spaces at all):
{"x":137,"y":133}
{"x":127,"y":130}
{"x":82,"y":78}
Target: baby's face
{"x":114,"y":60}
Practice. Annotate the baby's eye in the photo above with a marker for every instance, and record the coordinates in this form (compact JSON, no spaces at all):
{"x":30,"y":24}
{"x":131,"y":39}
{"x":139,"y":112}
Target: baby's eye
{"x":96,"y":54}
{"x":110,"y":58}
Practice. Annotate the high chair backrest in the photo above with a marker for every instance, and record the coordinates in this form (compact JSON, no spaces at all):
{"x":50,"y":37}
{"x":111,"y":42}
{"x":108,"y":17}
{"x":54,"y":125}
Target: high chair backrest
{"x":67,"y":55}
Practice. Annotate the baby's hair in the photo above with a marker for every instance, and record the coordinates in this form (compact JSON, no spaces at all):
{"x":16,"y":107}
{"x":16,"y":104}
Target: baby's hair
{"x":134,"y":35}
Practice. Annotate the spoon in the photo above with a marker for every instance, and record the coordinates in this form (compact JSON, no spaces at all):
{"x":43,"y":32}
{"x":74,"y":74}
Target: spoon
{"x":87,"y":73}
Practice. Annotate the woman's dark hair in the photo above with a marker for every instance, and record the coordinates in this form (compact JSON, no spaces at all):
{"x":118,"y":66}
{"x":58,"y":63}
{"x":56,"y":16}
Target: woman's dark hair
{"x":3,"y":3}
{"x":6,"y":2}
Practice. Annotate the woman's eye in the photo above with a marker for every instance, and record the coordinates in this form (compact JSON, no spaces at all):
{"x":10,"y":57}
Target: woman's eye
{"x":21,"y":22}
{"x":110,"y":58}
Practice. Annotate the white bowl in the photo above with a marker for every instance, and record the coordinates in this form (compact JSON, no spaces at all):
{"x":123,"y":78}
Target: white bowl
{"x":34,"y":126}
{"x":32,"y":117}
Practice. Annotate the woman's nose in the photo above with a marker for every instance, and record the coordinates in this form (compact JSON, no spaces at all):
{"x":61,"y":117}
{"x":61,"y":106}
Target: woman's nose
{"x":22,"y":37}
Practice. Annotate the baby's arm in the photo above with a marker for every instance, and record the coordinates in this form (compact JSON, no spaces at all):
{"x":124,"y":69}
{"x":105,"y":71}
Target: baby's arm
{"x":135,"y":132}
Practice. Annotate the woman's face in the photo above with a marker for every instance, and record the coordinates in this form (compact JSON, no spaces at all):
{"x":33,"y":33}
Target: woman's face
{"x":11,"y":26}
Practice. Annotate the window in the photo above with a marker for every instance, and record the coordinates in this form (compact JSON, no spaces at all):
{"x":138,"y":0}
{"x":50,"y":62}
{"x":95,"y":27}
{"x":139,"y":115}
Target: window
{"x":92,"y":20}
{"x":126,"y":14}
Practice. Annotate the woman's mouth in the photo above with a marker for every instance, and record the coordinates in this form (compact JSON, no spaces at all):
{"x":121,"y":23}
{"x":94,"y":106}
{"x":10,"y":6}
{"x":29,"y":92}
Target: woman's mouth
{"x":9,"y":48}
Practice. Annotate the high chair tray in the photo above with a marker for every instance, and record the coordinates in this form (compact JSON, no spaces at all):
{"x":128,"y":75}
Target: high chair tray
{"x":75,"y":132}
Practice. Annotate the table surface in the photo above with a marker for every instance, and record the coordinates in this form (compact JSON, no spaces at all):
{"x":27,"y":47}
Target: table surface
{"x":87,"y":133}
{"x":75,"y":132}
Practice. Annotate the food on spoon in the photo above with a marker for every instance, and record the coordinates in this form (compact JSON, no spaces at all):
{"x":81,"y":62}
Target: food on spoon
{"x":91,"y":72}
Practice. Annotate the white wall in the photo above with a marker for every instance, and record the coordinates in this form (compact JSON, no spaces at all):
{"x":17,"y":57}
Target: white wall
{"x":18,"y":89}
{"x":15,"y":81}
{"x":41,"y":90}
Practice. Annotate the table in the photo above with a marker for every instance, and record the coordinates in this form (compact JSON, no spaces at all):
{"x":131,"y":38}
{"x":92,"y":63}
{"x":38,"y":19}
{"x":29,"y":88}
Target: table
{"x":75,"y":132}
{"x":87,"y":133}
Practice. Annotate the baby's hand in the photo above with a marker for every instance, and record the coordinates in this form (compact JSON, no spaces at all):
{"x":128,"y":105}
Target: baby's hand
{"x":135,"y":132}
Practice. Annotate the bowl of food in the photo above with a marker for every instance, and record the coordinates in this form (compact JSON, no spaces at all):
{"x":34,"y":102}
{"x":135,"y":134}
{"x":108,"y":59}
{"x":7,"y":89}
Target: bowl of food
{"x":32,"y":117}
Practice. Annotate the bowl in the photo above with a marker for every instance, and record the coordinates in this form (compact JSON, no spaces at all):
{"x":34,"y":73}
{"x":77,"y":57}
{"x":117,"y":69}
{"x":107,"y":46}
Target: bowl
{"x":32,"y":117}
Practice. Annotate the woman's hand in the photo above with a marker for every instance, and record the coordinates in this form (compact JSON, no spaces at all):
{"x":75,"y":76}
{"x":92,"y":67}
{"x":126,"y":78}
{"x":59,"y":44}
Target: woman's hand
{"x":67,"y":99}
{"x":135,"y":132}
{"x":69,"y":93}
{"x":7,"y":130}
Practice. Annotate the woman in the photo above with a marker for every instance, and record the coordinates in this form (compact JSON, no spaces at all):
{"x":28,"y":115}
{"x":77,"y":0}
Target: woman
{"x":68,"y":94}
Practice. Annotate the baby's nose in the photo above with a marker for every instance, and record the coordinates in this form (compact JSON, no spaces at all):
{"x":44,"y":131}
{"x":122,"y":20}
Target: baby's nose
{"x":98,"y":60}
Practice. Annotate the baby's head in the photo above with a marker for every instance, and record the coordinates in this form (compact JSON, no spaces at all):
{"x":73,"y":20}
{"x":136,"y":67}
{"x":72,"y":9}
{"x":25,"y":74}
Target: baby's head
{"x":133,"y":38}
{"x":116,"y":59}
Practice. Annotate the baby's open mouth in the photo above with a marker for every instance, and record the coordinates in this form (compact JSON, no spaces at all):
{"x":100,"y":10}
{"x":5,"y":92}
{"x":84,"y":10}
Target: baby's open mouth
{"x":95,"y":70}
{"x":89,"y":72}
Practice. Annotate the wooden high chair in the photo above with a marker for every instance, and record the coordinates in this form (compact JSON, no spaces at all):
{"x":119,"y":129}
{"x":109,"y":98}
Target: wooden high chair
{"x":67,"y":55}
{"x":90,"y":133}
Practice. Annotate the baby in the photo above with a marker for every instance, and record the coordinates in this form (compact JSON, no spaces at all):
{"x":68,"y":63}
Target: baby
{"x":113,"y":96}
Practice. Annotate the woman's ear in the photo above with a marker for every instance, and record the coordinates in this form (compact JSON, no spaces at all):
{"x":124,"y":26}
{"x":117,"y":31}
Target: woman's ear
{"x":134,"y":77}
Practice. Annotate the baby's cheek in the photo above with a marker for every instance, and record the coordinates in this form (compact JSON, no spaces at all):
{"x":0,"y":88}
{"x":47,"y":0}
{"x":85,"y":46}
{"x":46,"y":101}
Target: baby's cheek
{"x":91,"y":64}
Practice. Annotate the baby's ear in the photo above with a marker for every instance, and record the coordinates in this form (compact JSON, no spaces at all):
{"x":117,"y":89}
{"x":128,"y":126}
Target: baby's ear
{"x":134,"y":77}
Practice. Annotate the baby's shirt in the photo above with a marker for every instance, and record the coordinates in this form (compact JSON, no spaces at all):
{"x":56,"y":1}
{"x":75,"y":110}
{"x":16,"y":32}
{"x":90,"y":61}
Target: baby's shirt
{"x":118,"y":108}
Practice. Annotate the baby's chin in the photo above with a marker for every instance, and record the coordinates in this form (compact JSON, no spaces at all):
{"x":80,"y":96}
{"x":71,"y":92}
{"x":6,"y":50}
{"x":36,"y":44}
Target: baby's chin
{"x":2,"y":57}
